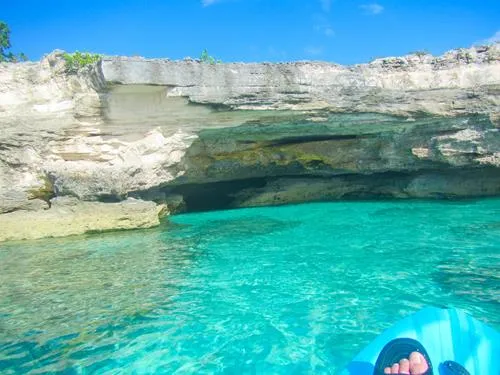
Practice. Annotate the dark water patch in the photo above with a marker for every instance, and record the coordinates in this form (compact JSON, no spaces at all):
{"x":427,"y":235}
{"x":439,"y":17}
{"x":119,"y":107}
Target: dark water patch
{"x":244,"y":227}
{"x":467,"y":280}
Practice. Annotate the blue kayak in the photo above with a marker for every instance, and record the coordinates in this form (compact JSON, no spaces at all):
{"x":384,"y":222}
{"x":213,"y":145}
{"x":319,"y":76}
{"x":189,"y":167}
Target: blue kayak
{"x":446,"y":334}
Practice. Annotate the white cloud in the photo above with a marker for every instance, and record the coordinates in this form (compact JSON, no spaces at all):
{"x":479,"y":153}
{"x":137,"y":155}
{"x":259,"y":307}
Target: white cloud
{"x":321,"y":25}
{"x":326,"y":5}
{"x":313,"y":50}
{"x":207,"y":3}
{"x":373,"y":8}
{"x":327,"y":30}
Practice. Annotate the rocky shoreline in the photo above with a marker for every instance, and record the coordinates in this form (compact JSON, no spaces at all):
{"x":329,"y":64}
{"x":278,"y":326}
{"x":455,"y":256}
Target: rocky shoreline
{"x":120,"y":140}
{"x":69,"y":216}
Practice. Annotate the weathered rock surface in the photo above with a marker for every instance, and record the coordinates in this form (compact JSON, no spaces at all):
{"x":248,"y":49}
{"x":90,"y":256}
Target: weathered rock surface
{"x":69,"y":216}
{"x":460,"y":82}
{"x":201,"y":136}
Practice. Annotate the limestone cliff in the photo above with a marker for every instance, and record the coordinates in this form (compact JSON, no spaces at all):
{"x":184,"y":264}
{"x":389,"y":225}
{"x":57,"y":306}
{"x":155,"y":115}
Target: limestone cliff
{"x":202,"y":136}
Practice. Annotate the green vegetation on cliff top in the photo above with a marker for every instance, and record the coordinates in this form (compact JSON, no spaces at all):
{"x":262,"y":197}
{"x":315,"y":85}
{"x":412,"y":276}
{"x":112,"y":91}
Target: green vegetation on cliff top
{"x":78,"y":60}
{"x":5,"y":55}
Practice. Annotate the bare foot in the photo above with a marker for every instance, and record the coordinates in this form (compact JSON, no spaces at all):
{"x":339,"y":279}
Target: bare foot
{"x":414,"y":365}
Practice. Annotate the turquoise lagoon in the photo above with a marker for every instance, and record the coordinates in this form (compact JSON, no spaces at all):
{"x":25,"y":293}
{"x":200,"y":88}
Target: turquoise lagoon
{"x":275,"y":290}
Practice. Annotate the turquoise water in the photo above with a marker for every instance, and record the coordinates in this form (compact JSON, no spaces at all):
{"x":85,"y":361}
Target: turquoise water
{"x":278,"y":290}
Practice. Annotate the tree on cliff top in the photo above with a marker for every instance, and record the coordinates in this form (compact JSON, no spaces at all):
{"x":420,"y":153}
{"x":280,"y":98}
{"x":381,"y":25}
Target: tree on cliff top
{"x":5,"y":45}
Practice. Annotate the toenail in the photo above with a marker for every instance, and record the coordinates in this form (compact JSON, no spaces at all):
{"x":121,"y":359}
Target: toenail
{"x":416,"y":357}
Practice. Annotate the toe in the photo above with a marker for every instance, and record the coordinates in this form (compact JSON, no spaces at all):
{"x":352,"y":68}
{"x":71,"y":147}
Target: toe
{"x":418,"y":364}
{"x":395,"y":368}
{"x":404,"y":366}
{"x":387,"y":370}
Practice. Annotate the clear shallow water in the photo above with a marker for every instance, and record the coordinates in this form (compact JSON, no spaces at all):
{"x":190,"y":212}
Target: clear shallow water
{"x":278,"y":290}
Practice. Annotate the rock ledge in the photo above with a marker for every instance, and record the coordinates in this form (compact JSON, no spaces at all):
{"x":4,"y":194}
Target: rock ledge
{"x":69,"y":216}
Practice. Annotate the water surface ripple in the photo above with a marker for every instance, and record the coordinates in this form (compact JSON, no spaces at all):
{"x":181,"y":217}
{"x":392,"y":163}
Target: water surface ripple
{"x":277,"y":290}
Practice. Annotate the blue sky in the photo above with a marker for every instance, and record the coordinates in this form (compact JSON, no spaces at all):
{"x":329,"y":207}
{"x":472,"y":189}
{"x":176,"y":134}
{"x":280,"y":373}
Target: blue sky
{"x":341,"y":31}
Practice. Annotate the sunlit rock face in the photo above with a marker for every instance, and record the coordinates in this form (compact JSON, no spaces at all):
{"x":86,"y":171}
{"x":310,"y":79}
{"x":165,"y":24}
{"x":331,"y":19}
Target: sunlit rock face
{"x":70,"y":216}
{"x":201,"y":136}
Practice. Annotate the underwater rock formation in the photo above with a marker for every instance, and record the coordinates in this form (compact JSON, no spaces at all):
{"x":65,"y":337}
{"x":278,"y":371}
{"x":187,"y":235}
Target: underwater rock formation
{"x":200,"y":136}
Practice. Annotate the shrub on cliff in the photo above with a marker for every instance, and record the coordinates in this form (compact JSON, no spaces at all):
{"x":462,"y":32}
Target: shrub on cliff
{"x":208,"y":59}
{"x":5,"y":55}
{"x":78,"y":60}
{"x":420,"y":53}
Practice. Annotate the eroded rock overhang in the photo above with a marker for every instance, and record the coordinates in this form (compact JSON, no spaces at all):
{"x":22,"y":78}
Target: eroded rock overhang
{"x":416,"y":126}
{"x":200,"y":136}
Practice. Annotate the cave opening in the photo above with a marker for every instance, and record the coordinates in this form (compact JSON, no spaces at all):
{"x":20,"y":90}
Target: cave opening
{"x":214,"y":195}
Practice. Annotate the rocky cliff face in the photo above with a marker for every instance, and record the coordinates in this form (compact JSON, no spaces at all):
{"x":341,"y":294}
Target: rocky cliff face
{"x":201,"y":136}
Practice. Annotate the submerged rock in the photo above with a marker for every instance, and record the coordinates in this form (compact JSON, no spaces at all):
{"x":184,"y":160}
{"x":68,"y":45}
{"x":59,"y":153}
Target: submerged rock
{"x":198,"y":136}
{"x":470,"y":281}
